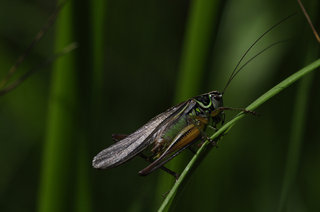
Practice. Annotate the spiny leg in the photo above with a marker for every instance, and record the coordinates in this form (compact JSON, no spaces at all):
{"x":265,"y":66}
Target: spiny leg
{"x":169,"y":171}
{"x":192,"y":150}
{"x":197,"y":122}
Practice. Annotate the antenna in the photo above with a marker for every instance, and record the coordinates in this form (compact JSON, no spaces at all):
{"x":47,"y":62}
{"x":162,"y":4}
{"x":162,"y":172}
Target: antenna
{"x":236,"y":70}
{"x":248,"y":61}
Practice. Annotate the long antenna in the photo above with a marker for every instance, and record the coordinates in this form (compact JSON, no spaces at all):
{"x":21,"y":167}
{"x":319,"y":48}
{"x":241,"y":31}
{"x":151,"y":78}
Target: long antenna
{"x":235,"y":72}
{"x":248,"y":61}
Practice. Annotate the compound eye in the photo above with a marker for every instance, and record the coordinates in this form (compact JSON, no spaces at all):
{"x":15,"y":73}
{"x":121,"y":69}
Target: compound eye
{"x":218,"y":97}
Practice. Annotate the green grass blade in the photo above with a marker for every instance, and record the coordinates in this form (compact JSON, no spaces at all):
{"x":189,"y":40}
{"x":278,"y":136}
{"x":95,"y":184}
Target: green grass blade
{"x":297,"y":130}
{"x":196,"y":48}
{"x":203,"y":150}
{"x":296,"y":139}
{"x":200,"y":26}
{"x":57,"y":171}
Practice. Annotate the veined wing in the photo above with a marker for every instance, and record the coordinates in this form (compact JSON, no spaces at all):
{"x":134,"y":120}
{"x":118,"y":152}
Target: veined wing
{"x":136,"y":142}
{"x":186,"y":137}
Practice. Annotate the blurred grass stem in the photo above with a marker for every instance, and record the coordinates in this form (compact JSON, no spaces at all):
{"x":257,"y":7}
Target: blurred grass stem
{"x":225,"y":128}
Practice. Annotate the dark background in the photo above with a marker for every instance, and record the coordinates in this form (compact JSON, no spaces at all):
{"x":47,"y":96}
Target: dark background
{"x":131,"y":65}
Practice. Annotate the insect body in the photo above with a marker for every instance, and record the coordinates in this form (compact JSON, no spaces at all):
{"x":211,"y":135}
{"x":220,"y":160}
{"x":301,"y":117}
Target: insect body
{"x":168,"y":133}
{"x":174,"y":130}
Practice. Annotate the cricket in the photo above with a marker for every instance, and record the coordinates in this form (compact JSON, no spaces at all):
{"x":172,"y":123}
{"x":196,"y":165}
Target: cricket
{"x":176,"y":129}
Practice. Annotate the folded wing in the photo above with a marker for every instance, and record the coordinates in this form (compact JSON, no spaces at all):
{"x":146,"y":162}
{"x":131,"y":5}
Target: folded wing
{"x":136,"y":142}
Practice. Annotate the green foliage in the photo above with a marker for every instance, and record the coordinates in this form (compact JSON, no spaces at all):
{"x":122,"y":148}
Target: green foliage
{"x":57,"y":166}
{"x":195,"y":54}
{"x":136,"y":59}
